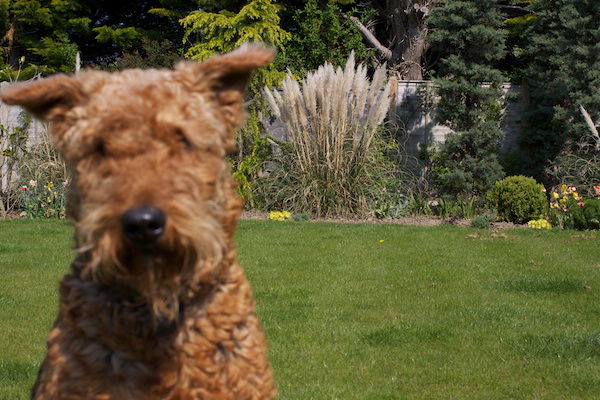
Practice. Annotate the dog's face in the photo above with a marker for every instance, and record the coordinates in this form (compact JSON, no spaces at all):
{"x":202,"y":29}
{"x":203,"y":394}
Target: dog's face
{"x":151,"y":200}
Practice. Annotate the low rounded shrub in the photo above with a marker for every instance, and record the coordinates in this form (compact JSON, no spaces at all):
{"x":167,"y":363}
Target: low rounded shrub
{"x":483,"y":221}
{"x":518,"y":199}
{"x":588,"y":216}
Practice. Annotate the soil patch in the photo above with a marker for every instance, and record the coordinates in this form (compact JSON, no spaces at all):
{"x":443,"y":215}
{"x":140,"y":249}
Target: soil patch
{"x":416,"y":220}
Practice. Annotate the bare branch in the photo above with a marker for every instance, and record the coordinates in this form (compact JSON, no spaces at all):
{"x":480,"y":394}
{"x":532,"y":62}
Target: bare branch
{"x":387,"y":53}
{"x":516,"y":9}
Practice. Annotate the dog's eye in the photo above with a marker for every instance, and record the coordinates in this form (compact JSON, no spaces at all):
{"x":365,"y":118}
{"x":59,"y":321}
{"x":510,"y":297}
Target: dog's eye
{"x":183,"y":139}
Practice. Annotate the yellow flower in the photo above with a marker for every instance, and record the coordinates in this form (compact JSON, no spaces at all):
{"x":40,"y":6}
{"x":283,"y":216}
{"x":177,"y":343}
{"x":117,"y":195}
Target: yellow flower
{"x":555,"y":195}
{"x":539,"y":224}
{"x":49,"y":185}
{"x":381,"y":240}
{"x":564,"y":188}
{"x":279,"y":215}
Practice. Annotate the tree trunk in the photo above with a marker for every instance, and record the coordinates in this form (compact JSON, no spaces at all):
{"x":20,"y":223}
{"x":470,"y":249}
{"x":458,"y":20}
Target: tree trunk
{"x":8,"y":41}
{"x":407,"y":21}
{"x":406,"y":31}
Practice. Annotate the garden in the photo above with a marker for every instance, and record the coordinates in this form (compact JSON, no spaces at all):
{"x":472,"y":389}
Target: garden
{"x":493,"y":295}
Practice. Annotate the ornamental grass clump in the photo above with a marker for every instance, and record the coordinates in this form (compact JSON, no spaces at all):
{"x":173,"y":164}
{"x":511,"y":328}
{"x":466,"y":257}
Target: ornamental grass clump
{"x":332,"y":163}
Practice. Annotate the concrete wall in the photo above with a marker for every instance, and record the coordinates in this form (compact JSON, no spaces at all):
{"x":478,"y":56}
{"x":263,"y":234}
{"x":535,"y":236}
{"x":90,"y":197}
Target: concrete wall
{"x":9,"y":119}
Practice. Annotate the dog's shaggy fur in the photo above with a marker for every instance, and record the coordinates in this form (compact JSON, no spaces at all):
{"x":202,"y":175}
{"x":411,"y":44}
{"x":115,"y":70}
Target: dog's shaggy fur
{"x":170,"y":315}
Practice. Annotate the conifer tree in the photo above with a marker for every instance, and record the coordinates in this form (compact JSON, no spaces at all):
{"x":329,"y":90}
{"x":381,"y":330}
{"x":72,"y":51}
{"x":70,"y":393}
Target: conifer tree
{"x":469,"y":37}
{"x":563,"y":73}
{"x":36,"y":35}
{"x":219,"y":32}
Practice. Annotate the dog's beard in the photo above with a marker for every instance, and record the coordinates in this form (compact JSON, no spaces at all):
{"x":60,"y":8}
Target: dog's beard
{"x":180,"y":266}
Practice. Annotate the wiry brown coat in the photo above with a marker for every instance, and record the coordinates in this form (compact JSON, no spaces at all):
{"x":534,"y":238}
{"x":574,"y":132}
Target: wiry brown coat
{"x":175,"y":320}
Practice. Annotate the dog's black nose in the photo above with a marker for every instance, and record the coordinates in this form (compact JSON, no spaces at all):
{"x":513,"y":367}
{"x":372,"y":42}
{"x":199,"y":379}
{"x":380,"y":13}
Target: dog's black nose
{"x":143,"y":225}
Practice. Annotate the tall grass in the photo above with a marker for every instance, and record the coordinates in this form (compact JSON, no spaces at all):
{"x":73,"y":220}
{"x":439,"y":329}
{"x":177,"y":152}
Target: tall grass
{"x":41,"y":162}
{"x":332,"y":162}
{"x":24,"y":159}
{"x":579,"y":165}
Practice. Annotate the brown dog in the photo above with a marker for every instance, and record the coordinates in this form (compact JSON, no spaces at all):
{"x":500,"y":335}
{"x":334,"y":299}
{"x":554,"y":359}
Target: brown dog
{"x":155,"y":305}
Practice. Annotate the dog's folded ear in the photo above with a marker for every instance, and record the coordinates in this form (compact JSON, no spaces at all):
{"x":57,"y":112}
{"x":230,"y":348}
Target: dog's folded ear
{"x":226,"y":76}
{"x":47,"y":99}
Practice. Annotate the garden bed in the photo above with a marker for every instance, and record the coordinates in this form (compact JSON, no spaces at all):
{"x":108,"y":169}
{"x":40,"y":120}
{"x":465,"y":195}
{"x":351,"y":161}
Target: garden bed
{"x":413,"y":220}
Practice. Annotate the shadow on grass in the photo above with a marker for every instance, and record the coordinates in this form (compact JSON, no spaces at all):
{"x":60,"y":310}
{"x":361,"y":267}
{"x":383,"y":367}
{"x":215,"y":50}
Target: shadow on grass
{"x":558,"y":346}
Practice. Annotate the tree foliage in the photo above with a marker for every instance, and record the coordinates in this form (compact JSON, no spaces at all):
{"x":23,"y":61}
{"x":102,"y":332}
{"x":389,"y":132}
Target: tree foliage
{"x":40,"y":31}
{"x":218,"y":32}
{"x":322,"y":34}
{"x":563,"y":72}
{"x":468,"y":34}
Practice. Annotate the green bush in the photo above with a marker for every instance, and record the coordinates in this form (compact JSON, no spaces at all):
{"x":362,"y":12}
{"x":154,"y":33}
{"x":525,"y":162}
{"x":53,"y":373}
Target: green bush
{"x":483,"y":221}
{"x":518,"y":199}
{"x":588,"y":216}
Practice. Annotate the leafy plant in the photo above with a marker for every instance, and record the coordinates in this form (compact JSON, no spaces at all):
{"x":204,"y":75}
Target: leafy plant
{"x":322,"y":35}
{"x":151,"y":54}
{"x":43,"y":201}
{"x":13,"y":147}
{"x":518,"y":199}
{"x":418,"y":205}
{"x":539,"y":224}
{"x":483,"y":221}
{"x":220,"y":32}
{"x":333,"y":162}
{"x":280,"y":215}
{"x":467,"y":206}
{"x":445,"y":207}
{"x":569,"y":210}
{"x":300,"y":217}
{"x":254,"y":149}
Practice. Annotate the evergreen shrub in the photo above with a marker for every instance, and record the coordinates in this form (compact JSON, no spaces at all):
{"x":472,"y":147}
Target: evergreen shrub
{"x":468,"y":36}
{"x":483,"y":221}
{"x":518,"y":199}
{"x":588,"y":216}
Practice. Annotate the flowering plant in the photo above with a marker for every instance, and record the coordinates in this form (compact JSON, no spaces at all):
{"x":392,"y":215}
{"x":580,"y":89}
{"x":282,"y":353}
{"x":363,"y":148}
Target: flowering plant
{"x":280,"y":215}
{"x":43,"y":201}
{"x":539,"y":224}
{"x":568,"y":209}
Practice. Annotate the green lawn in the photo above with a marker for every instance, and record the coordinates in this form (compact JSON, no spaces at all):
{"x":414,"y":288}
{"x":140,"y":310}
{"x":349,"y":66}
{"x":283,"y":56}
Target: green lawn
{"x":429,"y":313}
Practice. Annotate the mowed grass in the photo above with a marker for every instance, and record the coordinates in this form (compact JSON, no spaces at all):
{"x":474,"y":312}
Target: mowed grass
{"x":429,"y":313}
